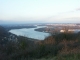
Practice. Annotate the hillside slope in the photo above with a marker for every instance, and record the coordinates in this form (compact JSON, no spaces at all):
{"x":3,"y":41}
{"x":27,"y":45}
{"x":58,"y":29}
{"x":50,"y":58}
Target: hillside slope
{"x":3,"y":32}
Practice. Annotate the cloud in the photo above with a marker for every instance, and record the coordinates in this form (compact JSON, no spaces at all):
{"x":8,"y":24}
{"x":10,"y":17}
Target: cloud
{"x":78,"y":9}
{"x":69,"y":16}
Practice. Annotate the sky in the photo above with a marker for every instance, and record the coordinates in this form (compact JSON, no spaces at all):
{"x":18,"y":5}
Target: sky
{"x":54,"y":11}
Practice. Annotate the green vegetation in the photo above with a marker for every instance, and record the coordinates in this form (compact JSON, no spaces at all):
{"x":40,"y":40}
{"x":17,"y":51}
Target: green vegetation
{"x":63,"y":46}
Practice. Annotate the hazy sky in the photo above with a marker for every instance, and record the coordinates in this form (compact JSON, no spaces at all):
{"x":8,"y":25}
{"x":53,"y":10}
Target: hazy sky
{"x":40,"y":10}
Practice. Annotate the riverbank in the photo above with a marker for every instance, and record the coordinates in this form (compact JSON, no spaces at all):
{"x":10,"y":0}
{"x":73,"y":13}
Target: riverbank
{"x":18,"y":27}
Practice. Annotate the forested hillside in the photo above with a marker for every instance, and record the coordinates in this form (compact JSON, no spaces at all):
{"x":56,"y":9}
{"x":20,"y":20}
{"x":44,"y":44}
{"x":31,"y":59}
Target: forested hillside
{"x":62,"y":46}
{"x":3,"y":32}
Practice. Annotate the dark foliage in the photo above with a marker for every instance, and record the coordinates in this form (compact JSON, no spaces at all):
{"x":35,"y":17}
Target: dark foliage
{"x":28,"y":49}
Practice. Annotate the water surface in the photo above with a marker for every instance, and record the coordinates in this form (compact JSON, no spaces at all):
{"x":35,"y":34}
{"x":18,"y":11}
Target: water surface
{"x":30,"y":32}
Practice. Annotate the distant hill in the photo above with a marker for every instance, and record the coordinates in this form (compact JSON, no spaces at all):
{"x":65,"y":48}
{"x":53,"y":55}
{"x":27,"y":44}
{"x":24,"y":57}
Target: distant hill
{"x":1,"y":22}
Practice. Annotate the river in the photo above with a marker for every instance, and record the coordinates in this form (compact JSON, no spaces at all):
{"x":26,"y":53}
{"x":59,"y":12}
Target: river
{"x":30,"y":32}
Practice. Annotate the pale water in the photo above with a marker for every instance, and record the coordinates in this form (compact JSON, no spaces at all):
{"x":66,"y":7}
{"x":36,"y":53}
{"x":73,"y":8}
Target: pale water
{"x":30,"y":32}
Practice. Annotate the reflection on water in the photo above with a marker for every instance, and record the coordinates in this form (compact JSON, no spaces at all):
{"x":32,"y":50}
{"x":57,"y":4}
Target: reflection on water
{"x":31,"y":33}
